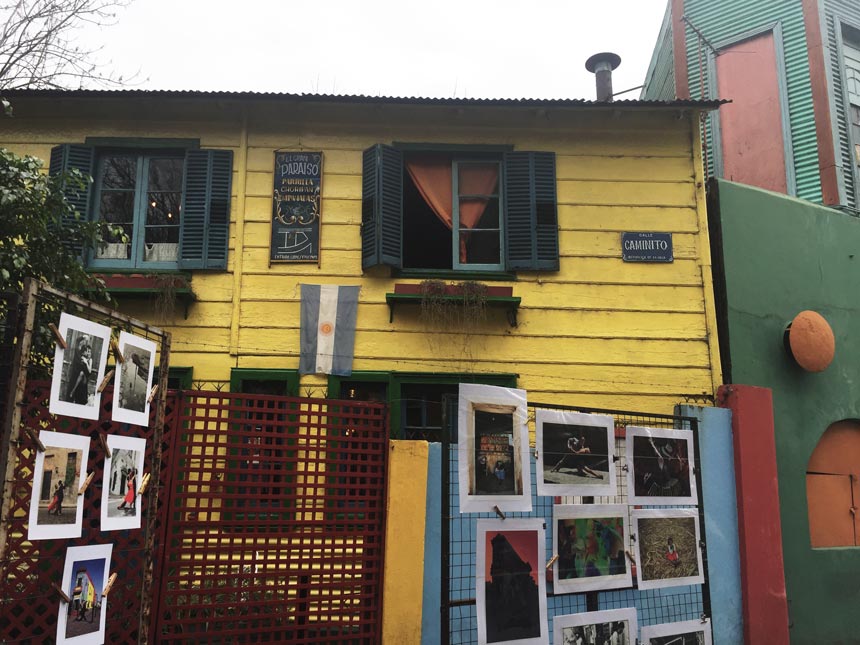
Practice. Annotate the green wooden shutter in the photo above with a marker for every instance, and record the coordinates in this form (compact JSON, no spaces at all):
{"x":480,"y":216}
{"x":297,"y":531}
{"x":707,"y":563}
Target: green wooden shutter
{"x":382,"y":207}
{"x":82,"y":158}
{"x":205,"y":223}
{"x":531,"y":211}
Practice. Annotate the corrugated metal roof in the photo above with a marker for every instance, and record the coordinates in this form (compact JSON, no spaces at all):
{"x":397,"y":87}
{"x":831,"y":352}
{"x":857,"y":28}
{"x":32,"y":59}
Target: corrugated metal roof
{"x":360,"y":98}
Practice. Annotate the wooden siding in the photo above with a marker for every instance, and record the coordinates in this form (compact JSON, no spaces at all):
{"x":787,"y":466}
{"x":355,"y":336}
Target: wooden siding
{"x":660,"y":79}
{"x":600,"y":332}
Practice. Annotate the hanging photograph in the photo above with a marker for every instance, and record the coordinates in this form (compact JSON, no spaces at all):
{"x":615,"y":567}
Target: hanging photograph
{"x":79,"y":368}
{"x":575,"y":453}
{"x":591,"y":543}
{"x":660,"y":466}
{"x":82,"y":621}
{"x":134,"y":380}
{"x":667,"y":547}
{"x":56,"y":509}
{"x":596,"y":628}
{"x":123,"y":472}
{"x":510,"y":583}
{"x":689,"y":632}
{"x":493,"y":449}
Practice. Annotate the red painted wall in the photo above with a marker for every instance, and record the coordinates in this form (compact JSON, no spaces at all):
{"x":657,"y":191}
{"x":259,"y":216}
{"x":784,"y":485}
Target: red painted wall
{"x":752,"y":142}
{"x":765,"y":607}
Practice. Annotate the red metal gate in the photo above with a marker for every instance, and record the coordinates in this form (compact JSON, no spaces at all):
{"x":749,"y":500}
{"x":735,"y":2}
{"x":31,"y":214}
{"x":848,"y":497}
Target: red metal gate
{"x":275,"y":521}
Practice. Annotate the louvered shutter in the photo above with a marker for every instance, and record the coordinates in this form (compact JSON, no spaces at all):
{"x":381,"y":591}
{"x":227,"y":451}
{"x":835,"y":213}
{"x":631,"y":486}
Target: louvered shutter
{"x":82,"y":158}
{"x":205,"y":223}
{"x":382,"y":207}
{"x":531,"y":212}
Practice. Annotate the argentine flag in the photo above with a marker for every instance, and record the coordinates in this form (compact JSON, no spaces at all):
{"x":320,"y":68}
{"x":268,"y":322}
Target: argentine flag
{"x":327,"y":336}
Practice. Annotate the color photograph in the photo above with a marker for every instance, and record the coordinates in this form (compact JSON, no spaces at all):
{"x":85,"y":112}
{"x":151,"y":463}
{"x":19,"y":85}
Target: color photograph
{"x":689,"y":632}
{"x":591,"y":543}
{"x":510,"y":585}
{"x":56,"y":509}
{"x":79,"y":368}
{"x":82,"y":621}
{"x":493,"y":449}
{"x":123,"y":472}
{"x":667,"y":547}
{"x":660,"y":466}
{"x":131,"y":397}
{"x":612,"y":627}
{"x":575,"y":453}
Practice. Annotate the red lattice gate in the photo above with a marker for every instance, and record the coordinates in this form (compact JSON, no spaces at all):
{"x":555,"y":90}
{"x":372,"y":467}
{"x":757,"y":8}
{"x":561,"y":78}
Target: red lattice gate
{"x":275,"y":523}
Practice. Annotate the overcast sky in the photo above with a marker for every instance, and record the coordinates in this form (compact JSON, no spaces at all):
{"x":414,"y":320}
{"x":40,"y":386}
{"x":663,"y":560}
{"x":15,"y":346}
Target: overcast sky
{"x":439,"y":48}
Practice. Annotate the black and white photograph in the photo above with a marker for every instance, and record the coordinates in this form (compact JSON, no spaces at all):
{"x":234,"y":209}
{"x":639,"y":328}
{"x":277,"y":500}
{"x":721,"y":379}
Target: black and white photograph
{"x":123,"y":473}
{"x":493,"y":449}
{"x":575,"y":453}
{"x":660,"y":464}
{"x":56,"y":509}
{"x":79,"y":368}
{"x":688,"y":632}
{"x":135,"y":372}
{"x":590,"y":541}
{"x":612,"y":627}
{"x":82,"y":621}
{"x":667,"y":547}
{"x":510,"y":582}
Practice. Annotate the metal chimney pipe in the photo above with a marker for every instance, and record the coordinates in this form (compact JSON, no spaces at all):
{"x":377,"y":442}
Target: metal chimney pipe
{"x":601,"y":65}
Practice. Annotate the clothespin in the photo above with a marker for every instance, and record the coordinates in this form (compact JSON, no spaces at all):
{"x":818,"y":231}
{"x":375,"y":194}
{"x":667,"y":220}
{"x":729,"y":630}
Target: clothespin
{"x":152,"y":393}
{"x":552,"y":561}
{"x":86,"y":484}
{"x":499,"y":512}
{"x":61,"y":593}
{"x":106,"y":380}
{"x":109,"y":584}
{"x":630,"y":557}
{"x":60,"y":340}
{"x":118,"y":354}
{"x":144,"y":482}
{"x":35,"y":438}
{"x":104,"y":445}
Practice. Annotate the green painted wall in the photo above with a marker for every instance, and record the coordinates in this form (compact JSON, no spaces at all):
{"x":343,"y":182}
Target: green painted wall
{"x":781,"y":256}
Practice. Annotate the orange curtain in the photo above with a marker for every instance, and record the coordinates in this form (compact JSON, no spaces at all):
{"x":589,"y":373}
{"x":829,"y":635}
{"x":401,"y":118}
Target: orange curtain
{"x":432,"y":177}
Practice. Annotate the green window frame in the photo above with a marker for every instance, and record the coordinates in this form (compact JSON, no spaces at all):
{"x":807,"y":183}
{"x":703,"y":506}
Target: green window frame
{"x":178,"y":378}
{"x":240,"y":376}
{"x":460,"y":232}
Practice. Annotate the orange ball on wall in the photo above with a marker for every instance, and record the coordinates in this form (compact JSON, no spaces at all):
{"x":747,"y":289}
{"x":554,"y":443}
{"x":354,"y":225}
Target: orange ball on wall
{"x":811,"y":341}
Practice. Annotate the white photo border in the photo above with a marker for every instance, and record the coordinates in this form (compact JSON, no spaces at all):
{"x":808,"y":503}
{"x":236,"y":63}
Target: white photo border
{"x":485,"y":526}
{"x":118,"y":442}
{"x":475,"y":395}
{"x":660,"y":433}
{"x":77,"y":554}
{"x":678,"y":629}
{"x":666,"y":513}
{"x":577,"y":511}
{"x":36,"y":531}
{"x":125,"y":415}
{"x":67,"y":408}
{"x":595,"y":618}
{"x":566,"y":417}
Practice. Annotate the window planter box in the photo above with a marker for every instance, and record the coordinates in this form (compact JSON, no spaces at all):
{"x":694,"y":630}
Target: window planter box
{"x":139,"y":285}
{"x":412,"y":293}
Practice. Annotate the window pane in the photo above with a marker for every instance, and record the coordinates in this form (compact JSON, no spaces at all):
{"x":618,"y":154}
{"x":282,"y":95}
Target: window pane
{"x":486,"y":210}
{"x":165,"y":174}
{"x":161,"y":241}
{"x":116,"y":208}
{"x":478,"y":178}
{"x":119,"y":173}
{"x":482,"y":247}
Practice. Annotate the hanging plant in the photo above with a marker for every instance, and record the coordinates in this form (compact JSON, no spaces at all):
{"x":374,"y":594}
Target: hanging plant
{"x":457,"y":305}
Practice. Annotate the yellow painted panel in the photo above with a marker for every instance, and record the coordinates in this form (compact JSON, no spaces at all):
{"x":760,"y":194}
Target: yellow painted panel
{"x":630,"y":168}
{"x":200,"y":339}
{"x":627,"y":218}
{"x":626,"y":193}
{"x":212,"y":287}
{"x":612,"y":270}
{"x":608,"y":244}
{"x":200,"y":314}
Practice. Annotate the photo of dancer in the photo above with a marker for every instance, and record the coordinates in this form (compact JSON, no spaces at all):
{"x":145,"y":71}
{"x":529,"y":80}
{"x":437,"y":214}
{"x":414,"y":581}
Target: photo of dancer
{"x":120,"y":503}
{"x":667,"y":547}
{"x":661,"y":466}
{"x":82,"y":620}
{"x":131,"y":398}
{"x":79,"y":368}
{"x":575,"y":453}
{"x":612,"y":627}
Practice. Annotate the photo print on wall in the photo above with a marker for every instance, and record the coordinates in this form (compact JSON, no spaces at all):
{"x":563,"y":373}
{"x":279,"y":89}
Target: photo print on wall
{"x":510,"y":582}
{"x":575,"y":453}
{"x":660,"y":466}
{"x":56,"y":509}
{"x":79,"y":368}
{"x":123,"y":472}
{"x":493,"y":449}
{"x":82,"y":621}
{"x":688,"y":632}
{"x":596,"y":628}
{"x":591,"y":543}
{"x":667,"y":547}
{"x":134,"y":380}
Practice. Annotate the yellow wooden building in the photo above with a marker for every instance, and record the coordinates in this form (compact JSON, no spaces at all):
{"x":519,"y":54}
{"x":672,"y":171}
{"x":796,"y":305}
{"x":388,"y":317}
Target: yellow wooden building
{"x":559,"y":312}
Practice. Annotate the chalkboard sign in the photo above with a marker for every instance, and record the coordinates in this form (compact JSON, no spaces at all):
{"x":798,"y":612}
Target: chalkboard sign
{"x":646,"y":247}
{"x":296,"y":207}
